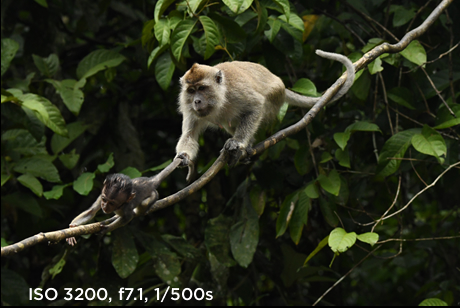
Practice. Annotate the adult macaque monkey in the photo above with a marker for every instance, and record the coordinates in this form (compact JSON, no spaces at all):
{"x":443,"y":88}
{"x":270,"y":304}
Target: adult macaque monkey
{"x":125,"y":197}
{"x":238,"y":97}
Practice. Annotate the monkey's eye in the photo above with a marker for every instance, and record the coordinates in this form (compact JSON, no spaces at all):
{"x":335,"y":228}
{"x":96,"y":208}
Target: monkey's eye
{"x":191,"y":90}
{"x":201,"y":88}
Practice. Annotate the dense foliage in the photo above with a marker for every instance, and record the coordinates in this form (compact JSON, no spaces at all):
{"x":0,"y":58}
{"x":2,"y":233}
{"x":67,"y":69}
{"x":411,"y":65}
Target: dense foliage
{"x":90,"y":88}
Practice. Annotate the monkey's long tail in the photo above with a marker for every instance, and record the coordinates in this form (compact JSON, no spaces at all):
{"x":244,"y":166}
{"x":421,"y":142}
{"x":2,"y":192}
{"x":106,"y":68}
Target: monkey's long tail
{"x":304,"y":101}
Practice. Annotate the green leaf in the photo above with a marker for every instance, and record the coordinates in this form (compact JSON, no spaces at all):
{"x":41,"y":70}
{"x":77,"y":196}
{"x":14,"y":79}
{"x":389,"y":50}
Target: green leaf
{"x":25,"y":202}
{"x":292,"y":30}
{"x":244,"y":236}
{"x":105,"y":167}
{"x":147,"y":32}
{"x":47,"y":66}
{"x":45,"y":111}
{"x":9,"y":49}
{"x":402,"y":96}
{"x":162,"y":32}
{"x":445,"y":119}
{"x":285,"y":7}
{"x":401,"y":15}
{"x":6,"y":178}
{"x":340,"y":240}
{"x":363,"y":126}
{"x":21,"y":141}
{"x":59,"y":143}
{"x":343,"y":157}
{"x":160,"y":7}
{"x":415,"y":53}
{"x":38,"y":167}
{"x":286,"y":212}
{"x":328,"y":210}
{"x":306,"y":87}
{"x":238,"y":6}
{"x":282,"y":111}
{"x":212,"y":35}
{"x":84,"y":184}
{"x":375,"y":66}
{"x":325,"y":157}
{"x":195,"y":4}
{"x":294,"y":20}
{"x":183,"y":247}
{"x":180,"y":36}
{"x":124,"y":254}
{"x":131,"y":172}
{"x":98,"y":60}
{"x":275,"y":26}
{"x":155,"y":53}
{"x":362,"y":85}
{"x":369,"y":237}
{"x":164,"y":69}
{"x":56,"y":192}
{"x":302,"y":159}
{"x":342,"y":139}
{"x":299,"y":217}
{"x":258,"y":199}
{"x":69,"y":160}
{"x":395,"y":147}
{"x":330,"y":183}
{"x":216,"y":238}
{"x":436,"y":302}
{"x":312,"y":190}
{"x":318,"y":248}
{"x":32,"y":183}
{"x":430,"y":142}
{"x":43,"y":3}
{"x":69,"y":90}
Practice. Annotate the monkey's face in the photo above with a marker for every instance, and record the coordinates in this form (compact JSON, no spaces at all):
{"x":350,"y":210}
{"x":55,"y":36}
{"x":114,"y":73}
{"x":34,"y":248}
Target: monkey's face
{"x":202,"y":90}
{"x":112,"y":201}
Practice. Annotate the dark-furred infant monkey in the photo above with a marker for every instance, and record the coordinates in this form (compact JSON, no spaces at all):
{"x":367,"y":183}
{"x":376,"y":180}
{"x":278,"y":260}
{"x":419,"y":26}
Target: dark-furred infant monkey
{"x":238,"y":97}
{"x":125,"y":197}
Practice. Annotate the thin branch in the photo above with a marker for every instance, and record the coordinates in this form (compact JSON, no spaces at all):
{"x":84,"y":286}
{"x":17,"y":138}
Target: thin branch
{"x":344,"y":276}
{"x":419,"y":193}
{"x":419,"y":239}
{"x":394,"y":202}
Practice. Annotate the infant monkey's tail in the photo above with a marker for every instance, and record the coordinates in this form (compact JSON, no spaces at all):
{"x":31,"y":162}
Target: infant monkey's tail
{"x":350,"y":71}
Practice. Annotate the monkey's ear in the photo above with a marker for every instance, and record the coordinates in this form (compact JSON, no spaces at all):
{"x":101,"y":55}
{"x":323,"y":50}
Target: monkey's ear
{"x":219,"y":76}
{"x":131,"y":197}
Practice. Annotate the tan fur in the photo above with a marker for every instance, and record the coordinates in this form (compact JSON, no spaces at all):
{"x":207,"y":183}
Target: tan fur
{"x":238,"y":97}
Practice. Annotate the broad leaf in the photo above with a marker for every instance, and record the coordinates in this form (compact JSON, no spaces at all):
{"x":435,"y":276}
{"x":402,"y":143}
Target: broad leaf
{"x":164,"y":69}
{"x":59,"y":143}
{"x":430,"y":142}
{"x":47,"y":66}
{"x":392,"y":150}
{"x":238,"y":6}
{"x":39,"y":167}
{"x":84,"y":184}
{"x":369,"y":237}
{"x":98,"y":60}
{"x":9,"y":49}
{"x":211,"y":34}
{"x":69,"y":90}
{"x":124,"y":254}
{"x":180,"y":36}
{"x":32,"y":183}
{"x":330,"y":183}
{"x":340,"y":240}
{"x":415,"y":53}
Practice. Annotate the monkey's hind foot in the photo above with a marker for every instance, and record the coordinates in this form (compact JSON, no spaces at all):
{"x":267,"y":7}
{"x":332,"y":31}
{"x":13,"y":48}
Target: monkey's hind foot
{"x":235,"y":151}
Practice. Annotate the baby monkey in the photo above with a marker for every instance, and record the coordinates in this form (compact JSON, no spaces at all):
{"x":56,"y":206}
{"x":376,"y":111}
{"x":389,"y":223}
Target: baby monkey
{"x":238,"y":97}
{"x":125,"y":197}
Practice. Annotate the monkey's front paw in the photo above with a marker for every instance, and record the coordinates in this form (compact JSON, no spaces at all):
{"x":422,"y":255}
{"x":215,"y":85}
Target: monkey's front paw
{"x":71,"y":241}
{"x":235,"y":150}
{"x":186,"y":161}
{"x":104,"y":229}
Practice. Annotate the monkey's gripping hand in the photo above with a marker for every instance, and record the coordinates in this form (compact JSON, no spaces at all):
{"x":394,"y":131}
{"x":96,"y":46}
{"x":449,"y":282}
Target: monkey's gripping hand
{"x":235,"y":150}
{"x":186,"y":162}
